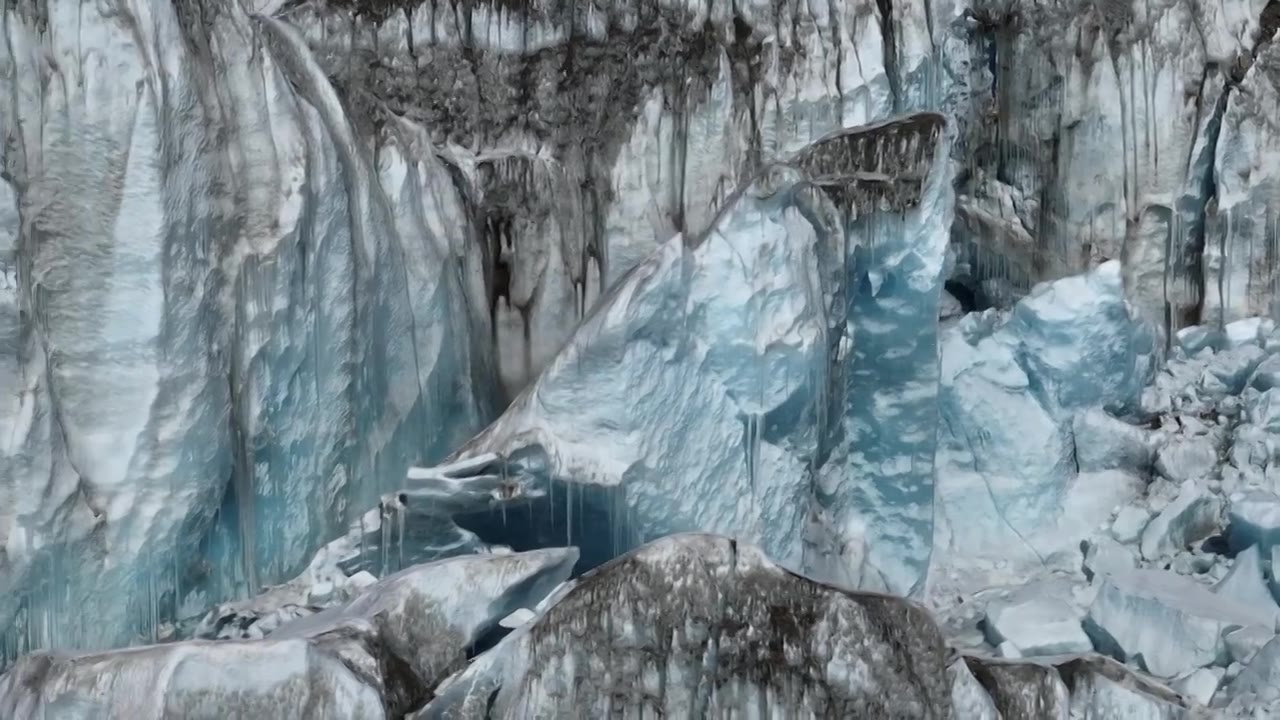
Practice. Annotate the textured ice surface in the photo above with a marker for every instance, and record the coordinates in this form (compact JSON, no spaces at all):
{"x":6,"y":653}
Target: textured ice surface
{"x":706,"y":625}
{"x":720,"y":373}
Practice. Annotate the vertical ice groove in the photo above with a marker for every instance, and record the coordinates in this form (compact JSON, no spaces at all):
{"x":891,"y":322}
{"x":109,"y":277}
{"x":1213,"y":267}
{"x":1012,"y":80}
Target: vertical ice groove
{"x":205,"y":298}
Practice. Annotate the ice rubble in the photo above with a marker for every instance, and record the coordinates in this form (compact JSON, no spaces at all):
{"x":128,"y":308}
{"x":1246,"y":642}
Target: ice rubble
{"x":379,"y":655}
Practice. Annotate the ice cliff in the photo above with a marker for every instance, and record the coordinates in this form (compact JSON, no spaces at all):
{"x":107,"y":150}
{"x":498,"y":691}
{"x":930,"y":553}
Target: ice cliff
{"x":602,"y":272}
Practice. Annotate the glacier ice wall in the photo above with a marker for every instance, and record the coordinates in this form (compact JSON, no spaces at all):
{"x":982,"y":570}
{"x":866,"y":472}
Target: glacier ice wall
{"x":227,"y":316}
{"x":589,"y":134}
{"x":1116,"y":131}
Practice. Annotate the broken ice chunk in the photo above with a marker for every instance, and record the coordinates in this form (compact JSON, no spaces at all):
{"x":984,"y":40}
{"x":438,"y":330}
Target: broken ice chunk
{"x":1245,"y":584}
{"x":1106,"y":556}
{"x":1228,"y":371}
{"x":1253,"y":518}
{"x":1195,"y":338}
{"x":1129,"y":523}
{"x":1248,"y":331}
{"x":1022,"y":689}
{"x":1264,"y":411}
{"x":1199,"y":685}
{"x":1102,"y":688}
{"x":1267,"y":374}
{"x":1192,"y":516}
{"x":1186,"y":458}
{"x":639,"y":627}
{"x":1243,"y":643}
{"x":1103,"y":442}
{"x":1166,"y":623}
{"x":1036,"y":626}
{"x":426,"y":616}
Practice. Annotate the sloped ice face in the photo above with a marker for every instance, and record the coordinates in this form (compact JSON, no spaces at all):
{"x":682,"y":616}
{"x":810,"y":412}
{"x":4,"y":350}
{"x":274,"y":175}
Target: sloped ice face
{"x":724,"y":370}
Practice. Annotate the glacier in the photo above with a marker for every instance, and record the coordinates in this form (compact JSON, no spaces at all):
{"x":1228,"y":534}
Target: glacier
{"x":958,"y":310}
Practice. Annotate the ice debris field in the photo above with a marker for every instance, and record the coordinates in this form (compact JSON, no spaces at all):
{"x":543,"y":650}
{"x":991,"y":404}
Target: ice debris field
{"x":687,"y":358}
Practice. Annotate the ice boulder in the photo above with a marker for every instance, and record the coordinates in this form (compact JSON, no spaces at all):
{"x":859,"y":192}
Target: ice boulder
{"x":1167,"y":624}
{"x":1193,"y":515}
{"x":1229,"y":371}
{"x":1022,"y":689}
{"x":1184,"y":458}
{"x":706,"y":626}
{"x":1267,"y":375}
{"x":1104,"y":442}
{"x":1037,"y":625}
{"x":1243,"y":643}
{"x":1010,"y":488}
{"x":1199,"y":685}
{"x":379,"y":655}
{"x":1258,"y":684}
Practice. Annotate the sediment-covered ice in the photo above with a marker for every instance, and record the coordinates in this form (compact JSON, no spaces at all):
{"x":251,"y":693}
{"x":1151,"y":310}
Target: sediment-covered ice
{"x":706,"y":625}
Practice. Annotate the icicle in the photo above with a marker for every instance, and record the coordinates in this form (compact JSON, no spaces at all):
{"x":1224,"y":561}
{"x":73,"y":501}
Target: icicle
{"x":384,"y":535}
{"x":401,"y":511}
{"x":568,"y":509}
